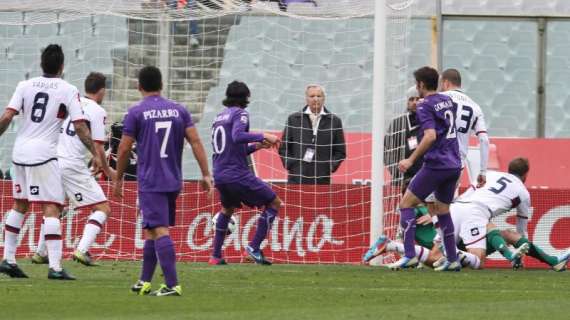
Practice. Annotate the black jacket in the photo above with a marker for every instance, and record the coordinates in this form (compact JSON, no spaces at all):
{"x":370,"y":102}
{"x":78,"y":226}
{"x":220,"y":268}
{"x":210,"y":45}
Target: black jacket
{"x":329,"y":147}
{"x":401,"y":136}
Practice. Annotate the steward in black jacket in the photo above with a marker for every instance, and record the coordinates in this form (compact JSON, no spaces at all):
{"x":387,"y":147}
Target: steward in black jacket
{"x":311,"y":155}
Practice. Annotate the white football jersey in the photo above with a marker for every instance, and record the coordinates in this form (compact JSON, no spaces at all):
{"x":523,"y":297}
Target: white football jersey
{"x":43,"y":104}
{"x":502,"y":192}
{"x":70,"y":146}
{"x":469,"y":119}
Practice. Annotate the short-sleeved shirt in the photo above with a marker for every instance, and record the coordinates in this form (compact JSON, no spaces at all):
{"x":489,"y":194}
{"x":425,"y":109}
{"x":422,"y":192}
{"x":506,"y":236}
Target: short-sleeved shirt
{"x":158,"y":126}
{"x":44,"y":103}
{"x":437,"y":112}
{"x":70,"y":146}
{"x":501,"y":193}
{"x":469,"y":120}
{"x":230,"y":138}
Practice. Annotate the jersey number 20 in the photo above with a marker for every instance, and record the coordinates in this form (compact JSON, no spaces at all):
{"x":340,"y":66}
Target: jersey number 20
{"x":451,"y":134}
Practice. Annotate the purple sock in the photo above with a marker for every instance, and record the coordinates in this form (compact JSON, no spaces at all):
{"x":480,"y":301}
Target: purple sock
{"x":167,"y":259}
{"x":446,"y":226}
{"x":149,"y":261}
{"x":408,"y":223}
{"x":263,"y":225}
{"x":221,"y":230}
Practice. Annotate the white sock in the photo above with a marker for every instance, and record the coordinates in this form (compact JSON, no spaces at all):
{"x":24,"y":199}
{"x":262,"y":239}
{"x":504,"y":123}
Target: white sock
{"x":421,"y":252}
{"x":52,"y":229}
{"x":12,"y":226}
{"x":470,"y":260}
{"x":395,"y":246}
{"x":92,"y":228}
{"x":41,"y":248}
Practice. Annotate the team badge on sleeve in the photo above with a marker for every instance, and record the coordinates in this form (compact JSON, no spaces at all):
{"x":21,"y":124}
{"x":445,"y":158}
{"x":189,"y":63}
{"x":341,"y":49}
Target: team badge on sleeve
{"x":243,"y":119}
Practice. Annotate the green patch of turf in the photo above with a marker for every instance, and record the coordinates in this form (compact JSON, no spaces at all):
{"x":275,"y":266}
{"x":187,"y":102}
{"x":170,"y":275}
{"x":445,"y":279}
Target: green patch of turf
{"x":247,"y":291}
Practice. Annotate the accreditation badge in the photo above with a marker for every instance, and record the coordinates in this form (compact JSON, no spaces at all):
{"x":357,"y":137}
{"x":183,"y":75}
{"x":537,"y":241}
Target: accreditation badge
{"x":309,"y":155}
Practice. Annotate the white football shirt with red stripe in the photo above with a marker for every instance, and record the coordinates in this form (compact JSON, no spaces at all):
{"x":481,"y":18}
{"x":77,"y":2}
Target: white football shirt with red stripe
{"x":70,"y":147}
{"x":469,"y":119}
{"x":43,"y":104}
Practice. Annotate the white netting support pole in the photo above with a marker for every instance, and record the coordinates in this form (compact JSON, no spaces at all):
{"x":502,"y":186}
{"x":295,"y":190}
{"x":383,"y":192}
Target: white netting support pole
{"x":164,"y":52}
{"x":378,"y":102}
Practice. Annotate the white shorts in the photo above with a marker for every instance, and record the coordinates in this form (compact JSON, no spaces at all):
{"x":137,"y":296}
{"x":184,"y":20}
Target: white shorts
{"x":38,"y":184}
{"x":470,"y":224}
{"x":80,"y":186}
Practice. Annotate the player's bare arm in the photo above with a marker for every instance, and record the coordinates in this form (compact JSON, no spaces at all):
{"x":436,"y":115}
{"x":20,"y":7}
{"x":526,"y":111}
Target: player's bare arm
{"x":272,"y":139}
{"x":109,"y":172}
{"x":6,"y":119}
{"x":193,"y":139}
{"x":123,"y":153}
{"x":428,"y":139}
{"x":84,"y":135}
{"x":484,"y":150}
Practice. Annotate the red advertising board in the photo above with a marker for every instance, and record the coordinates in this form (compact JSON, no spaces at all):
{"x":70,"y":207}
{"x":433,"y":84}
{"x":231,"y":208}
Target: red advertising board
{"x":317,"y":224}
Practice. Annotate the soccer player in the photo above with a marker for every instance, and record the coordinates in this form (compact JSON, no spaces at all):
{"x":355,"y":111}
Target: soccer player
{"x":517,"y":240}
{"x":439,"y":173}
{"x":471,"y":214}
{"x":159,"y":127}
{"x":44,"y":103}
{"x":80,"y":186}
{"x":232,"y":142}
{"x":469,"y":120}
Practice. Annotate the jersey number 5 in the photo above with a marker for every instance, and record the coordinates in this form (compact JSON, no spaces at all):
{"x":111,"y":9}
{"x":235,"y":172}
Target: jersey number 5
{"x":503,"y":181}
{"x":166,"y":125}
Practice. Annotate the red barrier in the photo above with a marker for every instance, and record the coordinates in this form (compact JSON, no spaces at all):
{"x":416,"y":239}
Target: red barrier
{"x":317,"y":224}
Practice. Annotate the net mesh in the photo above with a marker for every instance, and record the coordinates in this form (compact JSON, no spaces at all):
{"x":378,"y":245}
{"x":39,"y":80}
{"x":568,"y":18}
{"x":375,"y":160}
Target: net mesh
{"x":201,"y":46}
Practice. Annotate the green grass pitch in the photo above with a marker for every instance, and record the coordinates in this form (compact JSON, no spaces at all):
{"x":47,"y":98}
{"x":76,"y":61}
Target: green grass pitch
{"x":247,"y":291}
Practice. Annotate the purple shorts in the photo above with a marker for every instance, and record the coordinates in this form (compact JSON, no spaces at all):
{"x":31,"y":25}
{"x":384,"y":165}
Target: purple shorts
{"x":158,"y":209}
{"x":441,"y":182}
{"x":250,"y":191}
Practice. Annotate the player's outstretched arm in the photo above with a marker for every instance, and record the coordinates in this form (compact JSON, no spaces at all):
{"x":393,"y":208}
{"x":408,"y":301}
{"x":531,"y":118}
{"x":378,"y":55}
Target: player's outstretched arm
{"x":84,"y":134}
{"x":6,"y":119}
{"x":427,"y":141}
{"x":193,"y":139}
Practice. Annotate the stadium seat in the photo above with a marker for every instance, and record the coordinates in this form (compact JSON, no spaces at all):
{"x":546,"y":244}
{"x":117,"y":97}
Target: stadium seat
{"x":482,"y":62}
{"x":482,"y":38}
{"x":465,"y":50}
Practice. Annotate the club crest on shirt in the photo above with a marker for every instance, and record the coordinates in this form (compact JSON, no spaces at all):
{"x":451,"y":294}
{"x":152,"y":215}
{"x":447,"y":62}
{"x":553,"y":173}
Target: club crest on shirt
{"x":475,"y":231}
{"x":243,"y":119}
{"x":34,"y":190}
{"x":78,"y":196}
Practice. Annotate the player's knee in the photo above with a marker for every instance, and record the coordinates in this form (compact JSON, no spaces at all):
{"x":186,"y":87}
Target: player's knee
{"x":159,"y":232}
{"x":52,"y":210}
{"x":103,"y":207}
{"x":276,"y":203}
{"x":510,"y":236}
{"x":21,"y":206}
{"x":227,"y":211}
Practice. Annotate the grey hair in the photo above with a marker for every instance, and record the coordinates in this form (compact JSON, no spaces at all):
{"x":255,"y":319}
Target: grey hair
{"x":314,"y":85}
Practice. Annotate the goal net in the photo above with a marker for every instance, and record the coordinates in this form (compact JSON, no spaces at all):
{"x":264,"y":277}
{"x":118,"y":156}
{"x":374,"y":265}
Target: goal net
{"x":277,"y":48}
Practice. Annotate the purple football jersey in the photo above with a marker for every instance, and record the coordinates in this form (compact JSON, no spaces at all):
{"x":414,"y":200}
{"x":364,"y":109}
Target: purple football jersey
{"x":437,"y":112}
{"x":230,"y":139}
{"x":159,"y":127}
